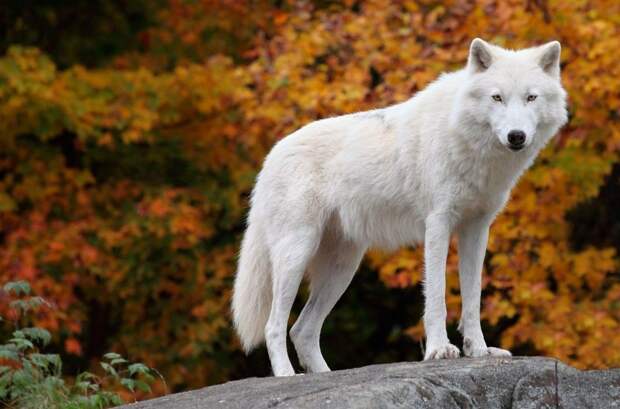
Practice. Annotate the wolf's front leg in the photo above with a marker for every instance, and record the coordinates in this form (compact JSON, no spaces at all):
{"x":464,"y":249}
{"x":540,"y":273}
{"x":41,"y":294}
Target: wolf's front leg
{"x":436,"y":241}
{"x":473,"y":237}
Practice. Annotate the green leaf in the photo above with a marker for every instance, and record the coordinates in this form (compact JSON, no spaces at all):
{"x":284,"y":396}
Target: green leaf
{"x":118,"y":361}
{"x":55,"y":383}
{"x":109,"y":369}
{"x":113,"y":399}
{"x":5,"y":379}
{"x":82,"y":386}
{"x":31,"y":303}
{"x":36,"y":302}
{"x":9,"y":354}
{"x":17,"y":287}
{"x":19,"y":305}
{"x":86,"y":376}
{"x":22,"y":344}
{"x":112,"y":355}
{"x":50,"y":362}
{"x":18,"y":334}
{"x":87,"y":380}
{"x":138,"y":368}
{"x":129,"y":383}
{"x":22,"y":377}
{"x":37,"y":334}
{"x":143,"y":386}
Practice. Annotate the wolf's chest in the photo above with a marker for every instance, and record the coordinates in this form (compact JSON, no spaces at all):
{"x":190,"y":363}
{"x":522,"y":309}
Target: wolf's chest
{"x":480,"y":190}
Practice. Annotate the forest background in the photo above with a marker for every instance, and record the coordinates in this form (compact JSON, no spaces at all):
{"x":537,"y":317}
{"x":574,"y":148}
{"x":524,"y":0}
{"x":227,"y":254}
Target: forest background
{"x":131,"y":132}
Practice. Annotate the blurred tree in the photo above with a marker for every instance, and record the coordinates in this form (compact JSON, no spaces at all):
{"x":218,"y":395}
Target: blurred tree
{"x":87,"y":32}
{"x":595,"y":221}
{"x":123,"y":188}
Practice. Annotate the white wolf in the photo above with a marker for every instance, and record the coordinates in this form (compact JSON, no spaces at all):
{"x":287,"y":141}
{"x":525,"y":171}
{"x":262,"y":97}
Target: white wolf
{"x":442,"y":162}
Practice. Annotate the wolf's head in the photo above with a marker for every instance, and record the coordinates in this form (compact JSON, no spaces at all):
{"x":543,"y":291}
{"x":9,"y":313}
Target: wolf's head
{"x":513,"y":96}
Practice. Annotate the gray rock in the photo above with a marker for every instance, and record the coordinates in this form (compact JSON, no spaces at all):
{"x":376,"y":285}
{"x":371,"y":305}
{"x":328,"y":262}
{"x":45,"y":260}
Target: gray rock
{"x":462,"y":383}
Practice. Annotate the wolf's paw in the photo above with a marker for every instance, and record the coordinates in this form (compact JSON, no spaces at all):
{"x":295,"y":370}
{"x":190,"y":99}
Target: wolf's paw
{"x":284,"y":373}
{"x":447,"y":351}
{"x":474,"y":350}
{"x":283,"y":370}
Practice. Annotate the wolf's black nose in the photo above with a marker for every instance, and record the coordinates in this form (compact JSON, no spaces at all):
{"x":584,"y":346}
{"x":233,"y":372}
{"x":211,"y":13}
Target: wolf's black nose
{"x":516,"y":139}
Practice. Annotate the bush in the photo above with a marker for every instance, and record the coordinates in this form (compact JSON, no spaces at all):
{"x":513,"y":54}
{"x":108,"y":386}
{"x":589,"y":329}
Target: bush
{"x":32,"y":379}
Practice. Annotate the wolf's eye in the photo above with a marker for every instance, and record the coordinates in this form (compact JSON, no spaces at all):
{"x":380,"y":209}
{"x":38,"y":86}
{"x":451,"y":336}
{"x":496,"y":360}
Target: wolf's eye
{"x":531,"y":97}
{"x":497,"y":98}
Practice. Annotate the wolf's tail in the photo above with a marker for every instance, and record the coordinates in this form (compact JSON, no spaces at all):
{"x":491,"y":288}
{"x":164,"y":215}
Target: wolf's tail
{"x":251,"y":301}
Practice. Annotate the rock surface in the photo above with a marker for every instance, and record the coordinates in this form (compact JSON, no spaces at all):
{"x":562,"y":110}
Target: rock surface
{"x":461,"y":383}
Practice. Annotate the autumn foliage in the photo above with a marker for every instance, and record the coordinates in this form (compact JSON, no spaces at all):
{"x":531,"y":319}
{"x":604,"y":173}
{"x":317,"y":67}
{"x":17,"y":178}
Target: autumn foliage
{"x":123,"y":186}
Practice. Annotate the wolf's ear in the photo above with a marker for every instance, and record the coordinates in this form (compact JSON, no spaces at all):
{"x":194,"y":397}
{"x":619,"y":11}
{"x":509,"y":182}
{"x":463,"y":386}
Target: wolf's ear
{"x":549,"y":59}
{"x":480,"y":57}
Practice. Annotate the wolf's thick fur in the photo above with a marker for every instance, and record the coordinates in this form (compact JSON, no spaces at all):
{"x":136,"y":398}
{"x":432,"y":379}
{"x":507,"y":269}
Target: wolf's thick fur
{"x":440,"y":163}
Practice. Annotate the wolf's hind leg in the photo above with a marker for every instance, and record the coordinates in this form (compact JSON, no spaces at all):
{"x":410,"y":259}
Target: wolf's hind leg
{"x":331,"y":271}
{"x":290,"y":256}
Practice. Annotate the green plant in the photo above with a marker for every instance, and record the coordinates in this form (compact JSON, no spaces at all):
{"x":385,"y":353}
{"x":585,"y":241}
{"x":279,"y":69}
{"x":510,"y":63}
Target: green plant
{"x":32,"y":379}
